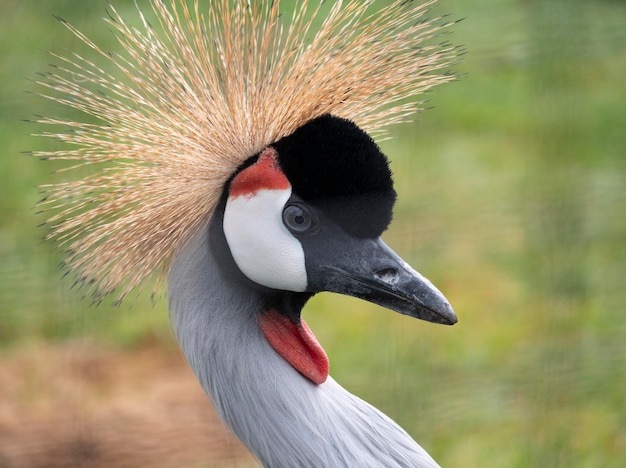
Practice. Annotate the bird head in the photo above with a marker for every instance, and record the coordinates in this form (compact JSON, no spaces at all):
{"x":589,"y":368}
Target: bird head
{"x":305,"y":215}
{"x":242,"y":119}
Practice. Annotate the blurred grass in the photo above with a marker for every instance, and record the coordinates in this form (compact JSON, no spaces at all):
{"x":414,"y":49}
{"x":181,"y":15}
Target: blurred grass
{"x":512,"y":199}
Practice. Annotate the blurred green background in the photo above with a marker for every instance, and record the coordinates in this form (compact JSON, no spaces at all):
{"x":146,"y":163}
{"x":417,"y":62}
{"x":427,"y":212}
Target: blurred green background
{"x":512,"y":200}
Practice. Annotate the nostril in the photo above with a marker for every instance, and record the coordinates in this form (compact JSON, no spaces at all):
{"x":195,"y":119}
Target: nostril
{"x":388,"y":275}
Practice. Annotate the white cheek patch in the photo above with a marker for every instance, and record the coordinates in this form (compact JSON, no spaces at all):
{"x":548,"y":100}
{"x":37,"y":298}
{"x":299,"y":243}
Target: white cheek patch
{"x":264,"y":250}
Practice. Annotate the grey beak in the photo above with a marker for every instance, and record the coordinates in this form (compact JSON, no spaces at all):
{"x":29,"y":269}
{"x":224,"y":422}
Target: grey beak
{"x":370,"y":270}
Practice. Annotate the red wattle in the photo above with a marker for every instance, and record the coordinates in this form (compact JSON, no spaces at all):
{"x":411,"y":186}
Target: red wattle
{"x":296,"y":344}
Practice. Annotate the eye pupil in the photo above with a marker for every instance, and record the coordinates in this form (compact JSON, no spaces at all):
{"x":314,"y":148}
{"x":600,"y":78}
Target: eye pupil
{"x":297,"y":219}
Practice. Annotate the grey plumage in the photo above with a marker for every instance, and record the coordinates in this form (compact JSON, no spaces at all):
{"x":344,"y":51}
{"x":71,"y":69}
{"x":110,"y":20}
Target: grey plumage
{"x":284,"y":419}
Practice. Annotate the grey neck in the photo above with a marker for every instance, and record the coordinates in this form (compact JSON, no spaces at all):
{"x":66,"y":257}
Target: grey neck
{"x":283,"y":418}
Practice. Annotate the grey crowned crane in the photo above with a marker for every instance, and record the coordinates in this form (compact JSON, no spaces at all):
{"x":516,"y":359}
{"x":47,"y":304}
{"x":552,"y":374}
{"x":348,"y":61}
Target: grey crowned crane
{"x":230,"y":160}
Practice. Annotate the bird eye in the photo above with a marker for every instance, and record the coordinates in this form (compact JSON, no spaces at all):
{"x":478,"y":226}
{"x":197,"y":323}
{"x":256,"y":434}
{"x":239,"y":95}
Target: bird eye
{"x":297,"y":219}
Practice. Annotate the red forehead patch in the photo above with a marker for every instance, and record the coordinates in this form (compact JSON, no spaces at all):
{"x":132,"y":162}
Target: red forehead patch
{"x":265,"y":174}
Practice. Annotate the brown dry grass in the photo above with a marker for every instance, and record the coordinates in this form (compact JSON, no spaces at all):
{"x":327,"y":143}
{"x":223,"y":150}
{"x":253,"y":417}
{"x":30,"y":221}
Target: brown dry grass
{"x":78,"y":405}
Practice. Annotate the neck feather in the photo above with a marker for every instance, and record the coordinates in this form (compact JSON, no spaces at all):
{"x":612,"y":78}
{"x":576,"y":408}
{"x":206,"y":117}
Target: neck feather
{"x":283,"y":418}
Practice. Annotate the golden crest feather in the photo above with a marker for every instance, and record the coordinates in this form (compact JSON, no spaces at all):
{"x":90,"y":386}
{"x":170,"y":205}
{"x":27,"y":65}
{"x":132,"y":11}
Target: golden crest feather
{"x":195,"y":94}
